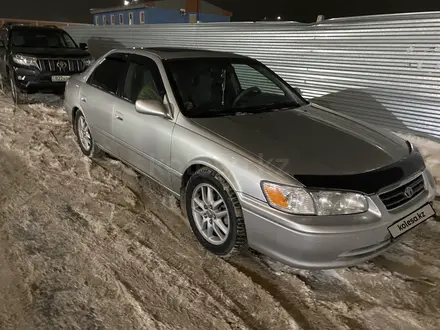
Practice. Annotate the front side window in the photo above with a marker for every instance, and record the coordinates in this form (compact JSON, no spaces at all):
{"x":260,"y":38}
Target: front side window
{"x":107,"y":75}
{"x":42,"y":38}
{"x":248,"y":77}
{"x":208,"y":87}
{"x":143,"y":82}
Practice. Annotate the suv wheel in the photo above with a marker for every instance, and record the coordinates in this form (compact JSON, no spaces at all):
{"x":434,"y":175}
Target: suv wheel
{"x":214,"y":213}
{"x":17,"y":96}
{"x":85,"y":139}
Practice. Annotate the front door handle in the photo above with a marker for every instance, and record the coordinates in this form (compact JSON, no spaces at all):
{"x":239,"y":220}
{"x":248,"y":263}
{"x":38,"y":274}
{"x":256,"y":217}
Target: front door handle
{"x":83,"y":99}
{"x":119,"y":116}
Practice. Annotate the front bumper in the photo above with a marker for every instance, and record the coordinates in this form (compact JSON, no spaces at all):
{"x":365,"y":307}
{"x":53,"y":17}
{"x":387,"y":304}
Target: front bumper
{"x":320,"y":242}
{"x":31,"y":80}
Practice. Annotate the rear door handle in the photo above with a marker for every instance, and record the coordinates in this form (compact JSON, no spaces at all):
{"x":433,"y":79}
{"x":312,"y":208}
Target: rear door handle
{"x":83,"y":99}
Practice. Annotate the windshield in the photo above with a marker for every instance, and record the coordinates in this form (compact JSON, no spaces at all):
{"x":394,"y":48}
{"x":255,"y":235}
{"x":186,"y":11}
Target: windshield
{"x":41,"y":38}
{"x":208,"y":87}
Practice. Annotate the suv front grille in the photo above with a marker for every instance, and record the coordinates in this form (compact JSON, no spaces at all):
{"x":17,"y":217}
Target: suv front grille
{"x":61,"y":65}
{"x":401,"y":195}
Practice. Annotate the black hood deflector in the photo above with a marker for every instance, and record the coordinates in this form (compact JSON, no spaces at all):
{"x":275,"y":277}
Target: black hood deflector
{"x":368,"y":182}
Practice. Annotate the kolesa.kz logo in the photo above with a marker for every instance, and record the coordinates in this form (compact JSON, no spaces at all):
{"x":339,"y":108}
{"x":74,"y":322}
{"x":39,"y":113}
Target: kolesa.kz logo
{"x":409,"y":222}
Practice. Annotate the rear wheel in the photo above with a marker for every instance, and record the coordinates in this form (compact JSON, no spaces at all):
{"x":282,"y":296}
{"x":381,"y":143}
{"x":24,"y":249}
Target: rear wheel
{"x":84,"y":137}
{"x":17,"y":96}
{"x":214,"y":213}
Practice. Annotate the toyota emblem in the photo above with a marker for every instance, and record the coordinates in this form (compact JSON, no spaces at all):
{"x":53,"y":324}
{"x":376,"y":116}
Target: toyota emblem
{"x":62,"y":65}
{"x":409,"y":192}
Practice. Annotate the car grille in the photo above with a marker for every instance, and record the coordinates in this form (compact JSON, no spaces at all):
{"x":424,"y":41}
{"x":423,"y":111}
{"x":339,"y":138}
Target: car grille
{"x":61,"y":65}
{"x":397,"y":197}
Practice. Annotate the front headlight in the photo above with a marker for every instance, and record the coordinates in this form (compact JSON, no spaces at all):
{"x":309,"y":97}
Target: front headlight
{"x":25,"y":60}
{"x":88,"y":61}
{"x":297,"y":200}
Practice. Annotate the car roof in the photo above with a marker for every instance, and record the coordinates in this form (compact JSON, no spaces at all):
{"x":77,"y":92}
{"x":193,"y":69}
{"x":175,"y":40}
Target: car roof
{"x":169,"y":53}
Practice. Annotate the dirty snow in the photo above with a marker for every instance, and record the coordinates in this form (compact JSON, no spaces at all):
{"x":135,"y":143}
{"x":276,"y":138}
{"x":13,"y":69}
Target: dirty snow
{"x":90,"y":245}
{"x":431,"y":152}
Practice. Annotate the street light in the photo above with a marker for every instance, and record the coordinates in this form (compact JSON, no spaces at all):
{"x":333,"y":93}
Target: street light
{"x":126,"y":3}
{"x":279,"y":18}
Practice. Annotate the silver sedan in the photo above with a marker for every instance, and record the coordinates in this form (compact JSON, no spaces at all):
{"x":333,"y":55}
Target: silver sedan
{"x":253,"y":163}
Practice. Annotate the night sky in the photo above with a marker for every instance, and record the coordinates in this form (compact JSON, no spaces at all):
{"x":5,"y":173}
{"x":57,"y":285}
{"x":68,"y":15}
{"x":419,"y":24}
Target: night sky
{"x":304,"y":10}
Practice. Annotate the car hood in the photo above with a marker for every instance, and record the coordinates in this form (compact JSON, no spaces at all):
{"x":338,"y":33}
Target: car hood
{"x":50,"y":52}
{"x":310,"y":140}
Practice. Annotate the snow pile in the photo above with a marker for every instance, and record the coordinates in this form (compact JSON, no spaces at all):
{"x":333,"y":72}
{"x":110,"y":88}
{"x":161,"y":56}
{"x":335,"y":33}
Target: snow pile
{"x":430,"y":151}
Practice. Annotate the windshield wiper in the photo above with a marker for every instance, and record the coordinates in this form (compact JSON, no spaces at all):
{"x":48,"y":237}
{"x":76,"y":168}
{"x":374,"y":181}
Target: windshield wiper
{"x":276,"y":107}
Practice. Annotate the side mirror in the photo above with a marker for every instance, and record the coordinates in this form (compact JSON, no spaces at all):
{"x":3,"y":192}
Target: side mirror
{"x":83,"y":46}
{"x":298,"y":90}
{"x":152,"y":107}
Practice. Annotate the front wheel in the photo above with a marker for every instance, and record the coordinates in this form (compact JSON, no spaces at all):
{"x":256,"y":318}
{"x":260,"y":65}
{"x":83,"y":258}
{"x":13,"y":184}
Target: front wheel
{"x":17,"y":96}
{"x":214,"y":213}
{"x":84,"y":137}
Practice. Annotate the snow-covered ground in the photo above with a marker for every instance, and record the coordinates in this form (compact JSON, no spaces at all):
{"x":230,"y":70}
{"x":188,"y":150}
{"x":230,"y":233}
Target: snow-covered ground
{"x":90,"y":245}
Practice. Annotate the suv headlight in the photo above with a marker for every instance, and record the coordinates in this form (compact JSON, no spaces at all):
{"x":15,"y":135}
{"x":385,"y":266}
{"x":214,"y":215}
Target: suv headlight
{"x":25,"y":60}
{"x":297,"y":200}
{"x":88,"y":61}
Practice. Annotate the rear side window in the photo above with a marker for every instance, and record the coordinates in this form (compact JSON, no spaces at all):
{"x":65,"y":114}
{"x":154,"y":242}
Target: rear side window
{"x":108,"y":75}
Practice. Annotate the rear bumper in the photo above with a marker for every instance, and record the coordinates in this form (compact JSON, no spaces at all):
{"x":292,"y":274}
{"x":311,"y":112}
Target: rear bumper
{"x":349,"y":240}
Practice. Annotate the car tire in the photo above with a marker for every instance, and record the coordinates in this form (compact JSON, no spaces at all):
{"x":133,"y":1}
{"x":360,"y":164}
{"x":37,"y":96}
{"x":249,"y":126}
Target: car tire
{"x":232,"y":242}
{"x":84,"y":137}
{"x":17,"y":96}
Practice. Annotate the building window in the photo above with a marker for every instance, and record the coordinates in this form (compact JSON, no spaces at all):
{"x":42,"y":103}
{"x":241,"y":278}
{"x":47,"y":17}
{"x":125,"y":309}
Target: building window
{"x":112,"y":19}
{"x":121,"y":19}
{"x":104,"y":19}
{"x":130,"y":18}
{"x":96,"y":20}
{"x":142,"y":17}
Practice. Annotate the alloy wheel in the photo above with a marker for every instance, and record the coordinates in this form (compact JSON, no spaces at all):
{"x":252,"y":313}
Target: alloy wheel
{"x":210,"y":213}
{"x":84,"y":133}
